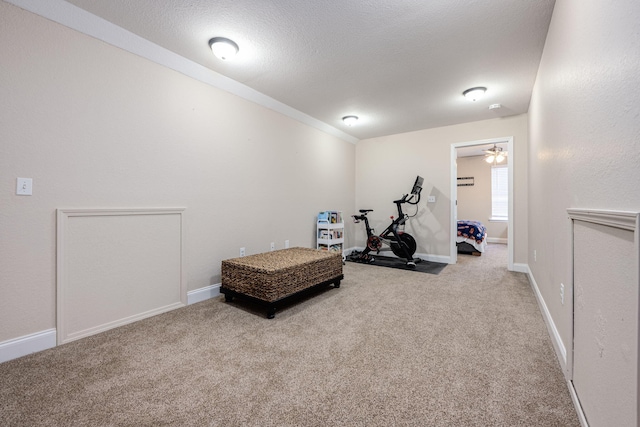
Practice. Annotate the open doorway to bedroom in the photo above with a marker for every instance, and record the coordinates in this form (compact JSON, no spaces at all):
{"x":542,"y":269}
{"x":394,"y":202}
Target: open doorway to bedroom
{"x":478,"y":192}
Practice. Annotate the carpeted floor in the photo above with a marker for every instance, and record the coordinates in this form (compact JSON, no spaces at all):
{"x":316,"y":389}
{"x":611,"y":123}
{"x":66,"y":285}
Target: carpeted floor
{"x":467,"y":347}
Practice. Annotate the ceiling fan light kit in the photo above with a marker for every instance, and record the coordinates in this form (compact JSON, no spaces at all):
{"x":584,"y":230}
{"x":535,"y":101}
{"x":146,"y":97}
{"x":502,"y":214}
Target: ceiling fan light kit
{"x":495,"y":155}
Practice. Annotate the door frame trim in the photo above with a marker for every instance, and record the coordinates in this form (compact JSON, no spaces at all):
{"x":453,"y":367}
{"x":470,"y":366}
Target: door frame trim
{"x":453,"y":253}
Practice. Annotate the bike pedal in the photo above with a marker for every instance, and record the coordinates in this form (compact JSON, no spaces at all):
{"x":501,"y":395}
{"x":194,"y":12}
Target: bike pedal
{"x":411,"y":264}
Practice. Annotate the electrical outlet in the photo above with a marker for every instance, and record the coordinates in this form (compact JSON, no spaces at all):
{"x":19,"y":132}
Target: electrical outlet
{"x":431,"y":199}
{"x":286,"y":244}
{"x":273,"y":246}
{"x":242,"y":251}
{"x":535,"y":256}
{"x":562,"y":293}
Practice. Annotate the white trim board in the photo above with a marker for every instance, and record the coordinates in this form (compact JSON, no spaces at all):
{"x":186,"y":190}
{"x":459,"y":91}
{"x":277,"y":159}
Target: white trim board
{"x":203,"y":294}
{"x":576,"y":403}
{"x":434,"y":258}
{"x":558,"y":345}
{"x":453,"y":253}
{"x":623,"y":220}
{"x":520,"y":268}
{"x":499,"y":240}
{"x":44,"y":340}
{"x":84,"y":22}
{"x":130,"y":261}
{"x":27,"y":344}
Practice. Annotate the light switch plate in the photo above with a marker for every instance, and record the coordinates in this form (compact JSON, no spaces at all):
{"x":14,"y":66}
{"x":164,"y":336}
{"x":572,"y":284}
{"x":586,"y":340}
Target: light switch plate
{"x":24,"y":187}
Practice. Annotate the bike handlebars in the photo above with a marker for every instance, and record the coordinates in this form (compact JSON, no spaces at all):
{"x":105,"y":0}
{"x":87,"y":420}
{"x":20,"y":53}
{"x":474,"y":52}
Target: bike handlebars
{"x":405,"y":200}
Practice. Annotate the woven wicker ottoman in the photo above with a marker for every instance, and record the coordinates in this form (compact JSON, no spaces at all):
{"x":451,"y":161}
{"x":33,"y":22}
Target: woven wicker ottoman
{"x":274,"y":278}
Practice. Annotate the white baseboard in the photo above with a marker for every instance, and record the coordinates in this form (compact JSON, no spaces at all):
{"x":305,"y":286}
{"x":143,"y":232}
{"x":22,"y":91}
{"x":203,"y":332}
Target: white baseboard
{"x":203,"y":294}
{"x":39,"y":341}
{"x":500,"y":240}
{"x":558,"y":345}
{"x":22,"y":346}
{"x":521,"y":268}
{"x":435,"y":258}
{"x":576,"y":403}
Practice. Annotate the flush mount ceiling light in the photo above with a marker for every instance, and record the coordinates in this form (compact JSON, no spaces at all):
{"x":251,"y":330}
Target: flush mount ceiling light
{"x":474,"y":93}
{"x":350,"y":120}
{"x":495,"y":155}
{"x":223,"y":48}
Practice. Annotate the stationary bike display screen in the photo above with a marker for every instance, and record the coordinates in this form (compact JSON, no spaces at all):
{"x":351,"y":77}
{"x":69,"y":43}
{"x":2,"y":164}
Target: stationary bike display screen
{"x":417,"y":186}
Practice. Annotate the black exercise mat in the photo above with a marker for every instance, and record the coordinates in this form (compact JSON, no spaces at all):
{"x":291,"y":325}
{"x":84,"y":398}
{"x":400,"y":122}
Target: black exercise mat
{"x":421,"y":267}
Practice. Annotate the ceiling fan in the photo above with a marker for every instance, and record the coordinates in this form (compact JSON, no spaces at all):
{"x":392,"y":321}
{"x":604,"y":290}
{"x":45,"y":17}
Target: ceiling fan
{"x":495,"y":155}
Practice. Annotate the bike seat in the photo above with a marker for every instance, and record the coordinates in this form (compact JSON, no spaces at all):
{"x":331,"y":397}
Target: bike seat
{"x":366,"y":210}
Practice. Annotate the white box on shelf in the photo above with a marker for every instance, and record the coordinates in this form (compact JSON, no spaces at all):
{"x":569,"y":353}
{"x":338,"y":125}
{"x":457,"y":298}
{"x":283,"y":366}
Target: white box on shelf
{"x":330,"y":231}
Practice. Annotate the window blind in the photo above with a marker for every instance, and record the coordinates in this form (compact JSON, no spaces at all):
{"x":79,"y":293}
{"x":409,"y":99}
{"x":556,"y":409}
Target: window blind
{"x":500,"y":192}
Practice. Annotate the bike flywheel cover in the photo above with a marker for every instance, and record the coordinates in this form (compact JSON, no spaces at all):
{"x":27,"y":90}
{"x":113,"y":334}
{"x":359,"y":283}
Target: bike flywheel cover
{"x":374,"y":243}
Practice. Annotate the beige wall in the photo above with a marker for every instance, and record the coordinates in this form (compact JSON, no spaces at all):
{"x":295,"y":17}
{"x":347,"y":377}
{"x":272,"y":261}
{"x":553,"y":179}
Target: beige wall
{"x":97,"y":127}
{"x":584,"y":132}
{"x":584,"y":122}
{"x":474,"y":202}
{"x":387,"y":166}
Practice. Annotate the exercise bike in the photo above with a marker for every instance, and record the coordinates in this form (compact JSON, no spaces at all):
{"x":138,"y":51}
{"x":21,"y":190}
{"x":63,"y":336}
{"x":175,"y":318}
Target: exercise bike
{"x":402,"y":244}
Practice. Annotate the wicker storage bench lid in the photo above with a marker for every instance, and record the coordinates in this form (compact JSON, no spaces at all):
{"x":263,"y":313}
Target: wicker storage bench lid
{"x":274,"y":275}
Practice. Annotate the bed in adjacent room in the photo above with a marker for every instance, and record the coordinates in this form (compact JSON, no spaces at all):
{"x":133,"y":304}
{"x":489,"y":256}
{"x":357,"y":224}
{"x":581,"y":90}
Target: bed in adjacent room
{"x":471,"y":238}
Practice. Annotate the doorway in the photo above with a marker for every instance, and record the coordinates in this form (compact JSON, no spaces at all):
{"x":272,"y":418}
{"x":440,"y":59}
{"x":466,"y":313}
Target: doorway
{"x":454,"y":193}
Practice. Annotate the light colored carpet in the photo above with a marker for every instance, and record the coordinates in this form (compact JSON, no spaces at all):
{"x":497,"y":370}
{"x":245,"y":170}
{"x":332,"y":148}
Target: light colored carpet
{"x":467,"y":347}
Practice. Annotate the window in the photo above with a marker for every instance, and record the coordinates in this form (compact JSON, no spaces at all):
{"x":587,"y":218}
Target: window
{"x":499,"y":193}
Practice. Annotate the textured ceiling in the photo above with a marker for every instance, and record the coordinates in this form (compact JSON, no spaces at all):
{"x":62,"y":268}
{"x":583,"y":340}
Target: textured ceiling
{"x":398,"y":65}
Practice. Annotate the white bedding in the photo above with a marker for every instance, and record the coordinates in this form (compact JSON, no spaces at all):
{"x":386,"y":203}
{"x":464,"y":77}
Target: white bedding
{"x":479,"y":246}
